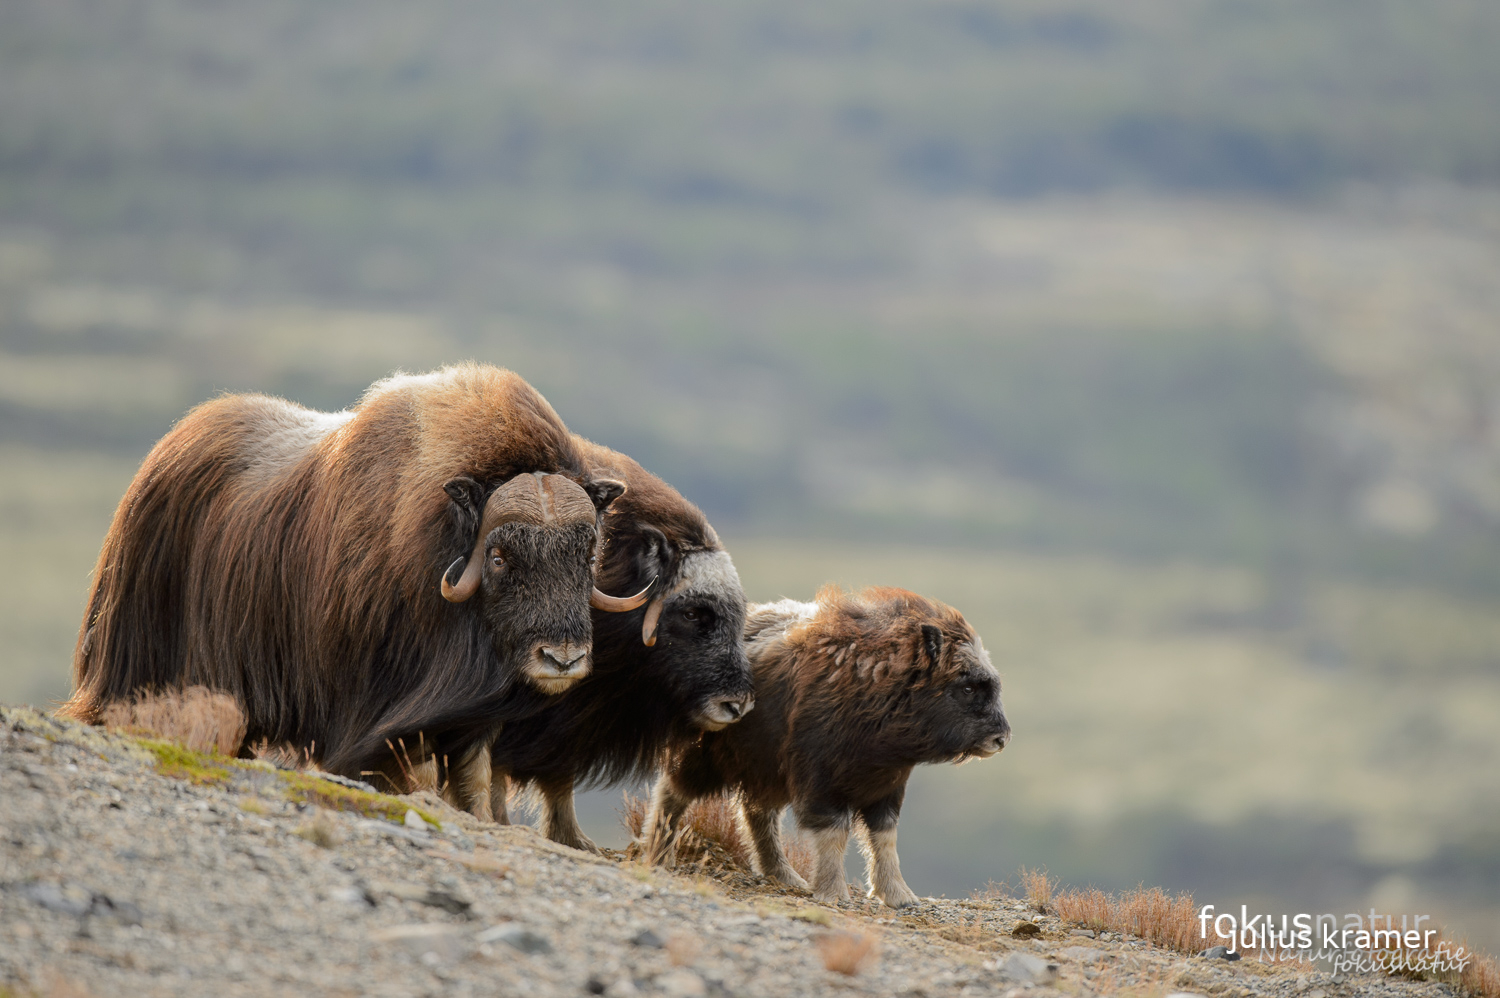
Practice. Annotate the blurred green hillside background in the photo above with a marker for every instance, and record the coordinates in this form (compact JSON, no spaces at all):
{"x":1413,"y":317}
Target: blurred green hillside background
{"x":1163,"y":339}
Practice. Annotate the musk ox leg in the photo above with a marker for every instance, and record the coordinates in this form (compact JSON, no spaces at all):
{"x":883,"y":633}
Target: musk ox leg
{"x":883,"y":868}
{"x":877,"y":835}
{"x":763,"y":824}
{"x":468,"y":786}
{"x":499,"y":794}
{"x":659,"y":830}
{"x":828,"y":875}
{"x":559,"y":820}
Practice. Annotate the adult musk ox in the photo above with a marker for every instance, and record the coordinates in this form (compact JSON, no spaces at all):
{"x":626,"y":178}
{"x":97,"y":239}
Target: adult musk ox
{"x":320,"y":566}
{"x":852,"y":692}
{"x":661,"y":677}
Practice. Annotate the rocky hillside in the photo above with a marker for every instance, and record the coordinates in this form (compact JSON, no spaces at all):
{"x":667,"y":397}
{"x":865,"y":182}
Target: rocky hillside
{"x":134,"y":867}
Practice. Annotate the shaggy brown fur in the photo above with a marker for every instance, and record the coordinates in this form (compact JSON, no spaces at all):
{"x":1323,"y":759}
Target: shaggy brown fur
{"x":292,"y":559}
{"x":641,"y":700}
{"x":852,"y":692}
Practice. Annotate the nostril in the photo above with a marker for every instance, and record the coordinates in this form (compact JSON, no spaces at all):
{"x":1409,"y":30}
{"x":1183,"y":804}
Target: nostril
{"x":732,"y":708}
{"x":563,"y":657}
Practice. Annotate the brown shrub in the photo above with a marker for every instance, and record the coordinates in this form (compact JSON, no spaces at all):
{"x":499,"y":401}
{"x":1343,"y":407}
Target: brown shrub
{"x":712,"y":837}
{"x":1481,"y":978}
{"x":848,"y":952}
{"x":197,"y":718}
{"x":1151,"y":914}
{"x":1038,"y":888}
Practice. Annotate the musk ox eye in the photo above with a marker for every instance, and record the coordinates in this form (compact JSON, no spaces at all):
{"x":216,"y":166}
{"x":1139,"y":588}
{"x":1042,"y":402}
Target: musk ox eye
{"x":496,"y":559}
{"x":690,"y":614}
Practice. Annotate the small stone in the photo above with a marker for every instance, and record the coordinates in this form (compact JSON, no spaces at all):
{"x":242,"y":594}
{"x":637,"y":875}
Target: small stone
{"x":1317,"y":993}
{"x":414,"y":820}
{"x":648,"y":939}
{"x":623,"y":988}
{"x":1024,"y":968}
{"x":682,"y":982}
{"x":1083,"y":932}
{"x":1026,"y":930}
{"x":63,"y":900}
{"x":517,"y":937}
{"x":422,"y":938}
{"x":1086,"y":954}
{"x":352,"y":895}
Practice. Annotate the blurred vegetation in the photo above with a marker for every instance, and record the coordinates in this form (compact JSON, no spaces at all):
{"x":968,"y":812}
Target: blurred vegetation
{"x":652,"y":208}
{"x":1160,"y":338}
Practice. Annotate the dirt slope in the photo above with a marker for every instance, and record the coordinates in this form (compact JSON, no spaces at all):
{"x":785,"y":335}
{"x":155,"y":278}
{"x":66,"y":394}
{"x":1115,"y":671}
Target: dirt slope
{"x":130,"y":867}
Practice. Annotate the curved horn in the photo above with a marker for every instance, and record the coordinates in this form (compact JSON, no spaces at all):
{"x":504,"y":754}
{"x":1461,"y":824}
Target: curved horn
{"x":516,"y":499}
{"x":455,"y":587}
{"x":619,"y":604}
{"x":648,"y":628}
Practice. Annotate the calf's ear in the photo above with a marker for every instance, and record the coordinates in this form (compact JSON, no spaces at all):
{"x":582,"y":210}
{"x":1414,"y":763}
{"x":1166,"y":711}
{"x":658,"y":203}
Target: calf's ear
{"x":932,"y":643}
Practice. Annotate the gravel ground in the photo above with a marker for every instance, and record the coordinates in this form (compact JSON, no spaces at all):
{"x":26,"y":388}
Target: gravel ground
{"x":118,"y":879}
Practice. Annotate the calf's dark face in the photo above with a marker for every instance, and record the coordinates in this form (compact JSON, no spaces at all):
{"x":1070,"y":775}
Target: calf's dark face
{"x":535,"y":589}
{"x":966,"y":715}
{"x":699,"y":653}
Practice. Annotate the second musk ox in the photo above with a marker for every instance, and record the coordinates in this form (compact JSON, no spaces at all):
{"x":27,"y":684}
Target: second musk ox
{"x":321,"y":568}
{"x":853,"y":691}
{"x":661,"y":677}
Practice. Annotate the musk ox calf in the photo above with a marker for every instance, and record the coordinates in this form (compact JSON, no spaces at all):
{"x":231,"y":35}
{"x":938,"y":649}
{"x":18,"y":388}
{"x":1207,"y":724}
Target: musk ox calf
{"x":852,"y":691}
{"x":661,"y":677}
{"x":322,"y":568}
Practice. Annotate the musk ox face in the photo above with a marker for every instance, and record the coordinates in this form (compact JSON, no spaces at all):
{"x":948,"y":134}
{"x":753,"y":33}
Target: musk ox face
{"x":535,"y":588}
{"x":533,"y":564}
{"x":699,"y":647}
{"x":969,"y":711}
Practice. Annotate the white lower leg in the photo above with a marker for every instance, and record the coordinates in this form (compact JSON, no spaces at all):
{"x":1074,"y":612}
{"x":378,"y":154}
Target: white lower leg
{"x":883,"y":869}
{"x":828,"y":876}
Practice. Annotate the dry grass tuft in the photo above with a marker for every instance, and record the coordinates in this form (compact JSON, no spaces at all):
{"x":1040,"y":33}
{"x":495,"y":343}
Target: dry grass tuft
{"x":1152,"y":914}
{"x":991,"y":891}
{"x":1038,"y":887}
{"x":968,"y":932}
{"x":712,"y":839}
{"x":197,"y":717}
{"x":1481,"y":978}
{"x":848,"y":952}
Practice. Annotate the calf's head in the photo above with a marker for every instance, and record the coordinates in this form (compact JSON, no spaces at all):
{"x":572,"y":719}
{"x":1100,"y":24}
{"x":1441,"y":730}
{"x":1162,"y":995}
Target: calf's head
{"x":907,"y":667}
{"x":965,"y":709}
{"x":532,"y":565}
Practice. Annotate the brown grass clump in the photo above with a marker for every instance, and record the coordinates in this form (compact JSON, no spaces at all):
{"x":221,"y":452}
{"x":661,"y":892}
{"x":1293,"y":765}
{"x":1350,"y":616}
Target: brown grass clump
{"x":712,"y":838}
{"x":968,"y":932}
{"x":1037,"y":886}
{"x":991,"y":891}
{"x":848,"y":952}
{"x":197,"y":717}
{"x":1151,"y":914}
{"x":1481,"y":978}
